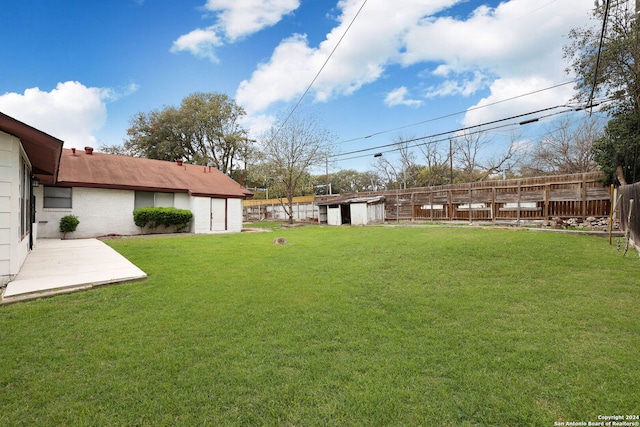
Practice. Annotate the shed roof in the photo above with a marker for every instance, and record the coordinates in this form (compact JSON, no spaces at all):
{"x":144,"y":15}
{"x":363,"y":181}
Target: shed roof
{"x":42,"y":149}
{"x":350,"y":200}
{"x":100,"y":170}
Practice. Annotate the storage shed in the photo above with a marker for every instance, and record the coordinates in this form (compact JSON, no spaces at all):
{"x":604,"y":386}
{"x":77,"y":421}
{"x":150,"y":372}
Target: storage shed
{"x":354,"y":210}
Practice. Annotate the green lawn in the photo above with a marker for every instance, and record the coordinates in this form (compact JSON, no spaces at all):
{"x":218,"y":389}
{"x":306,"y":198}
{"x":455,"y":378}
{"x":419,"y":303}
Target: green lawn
{"x":370,"y":326}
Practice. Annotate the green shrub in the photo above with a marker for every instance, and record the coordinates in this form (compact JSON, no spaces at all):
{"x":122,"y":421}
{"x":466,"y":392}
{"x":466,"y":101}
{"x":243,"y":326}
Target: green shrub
{"x":68,"y":224}
{"x":151,"y":218}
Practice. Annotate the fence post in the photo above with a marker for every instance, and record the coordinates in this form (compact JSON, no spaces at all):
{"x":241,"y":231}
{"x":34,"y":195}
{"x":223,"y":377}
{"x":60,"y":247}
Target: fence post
{"x":519,"y":202}
{"x":583,"y":195}
{"x":547,"y":192}
{"x":470,"y":205}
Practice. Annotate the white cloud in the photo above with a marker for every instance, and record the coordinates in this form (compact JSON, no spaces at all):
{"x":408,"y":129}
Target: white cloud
{"x":465,"y":85}
{"x":239,"y":18}
{"x":258,"y":124}
{"x":372,"y":43}
{"x":513,"y":87}
{"x":200,"y":43}
{"x":234,"y":19}
{"x":398,"y":97}
{"x":70,"y":112}
{"x":516,"y":45}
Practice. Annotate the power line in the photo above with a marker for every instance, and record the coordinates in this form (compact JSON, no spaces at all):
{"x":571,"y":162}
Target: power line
{"x":457,"y":113}
{"x":295,"y":107}
{"x":600,"y":45}
{"x":452,"y":131}
{"x":434,"y":141}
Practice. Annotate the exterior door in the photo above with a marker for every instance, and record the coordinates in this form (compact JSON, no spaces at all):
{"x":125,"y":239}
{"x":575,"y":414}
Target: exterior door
{"x":218,"y":214}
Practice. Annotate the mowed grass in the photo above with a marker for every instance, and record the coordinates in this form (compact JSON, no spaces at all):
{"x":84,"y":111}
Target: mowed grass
{"x":375,"y":326}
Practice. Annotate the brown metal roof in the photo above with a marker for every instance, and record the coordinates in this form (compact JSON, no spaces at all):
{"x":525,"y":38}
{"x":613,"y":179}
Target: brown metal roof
{"x":43,"y":150}
{"x":100,"y":170}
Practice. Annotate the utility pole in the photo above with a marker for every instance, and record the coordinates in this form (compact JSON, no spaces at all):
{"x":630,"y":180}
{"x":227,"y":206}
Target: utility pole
{"x":326,"y":187}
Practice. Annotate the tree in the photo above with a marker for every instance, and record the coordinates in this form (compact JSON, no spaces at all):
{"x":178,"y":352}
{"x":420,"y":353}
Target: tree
{"x":204,"y":130}
{"x":566,"y":148}
{"x":350,"y":181}
{"x":466,"y":152}
{"x":611,"y":69}
{"x":466,"y":149}
{"x":437,"y":167}
{"x":290,"y":149}
{"x":617,"y":150}
{"x":402,"y":172}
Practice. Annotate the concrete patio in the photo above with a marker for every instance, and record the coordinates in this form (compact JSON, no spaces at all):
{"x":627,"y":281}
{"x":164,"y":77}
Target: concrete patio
{"x":63,"y":266}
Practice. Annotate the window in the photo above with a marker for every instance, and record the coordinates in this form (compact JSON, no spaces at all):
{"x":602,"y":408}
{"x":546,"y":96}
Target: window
{"x":57,"y":197}
{"x":25,"y":199}
{"x":148,"y":199}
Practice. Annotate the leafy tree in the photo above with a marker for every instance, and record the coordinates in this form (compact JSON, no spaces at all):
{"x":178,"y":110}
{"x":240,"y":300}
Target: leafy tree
{"x":617,"y":150}
{"x":204,"y":130}
{"x":611,"y":70}
{"x":290,"y":149}
{"x":350,"y":181}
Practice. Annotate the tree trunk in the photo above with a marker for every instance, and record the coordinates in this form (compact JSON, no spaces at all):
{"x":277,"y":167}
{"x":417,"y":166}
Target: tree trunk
{"x":620,"y":175}
{"x":291,"y":210}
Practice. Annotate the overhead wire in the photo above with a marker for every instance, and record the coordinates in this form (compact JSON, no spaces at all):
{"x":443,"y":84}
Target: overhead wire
{"x":456,"y":113}
{"x":452,"y":131}
{"x":600,"y":45}
{"x":295,"y":107}
{"x":434,"y":141}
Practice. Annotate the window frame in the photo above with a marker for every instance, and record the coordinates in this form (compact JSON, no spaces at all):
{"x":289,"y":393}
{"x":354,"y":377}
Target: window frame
{"x":49,"y":198}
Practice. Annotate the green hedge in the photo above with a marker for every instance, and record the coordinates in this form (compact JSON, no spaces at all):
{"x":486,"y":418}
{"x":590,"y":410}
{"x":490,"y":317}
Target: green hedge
{"x":153,"y":217}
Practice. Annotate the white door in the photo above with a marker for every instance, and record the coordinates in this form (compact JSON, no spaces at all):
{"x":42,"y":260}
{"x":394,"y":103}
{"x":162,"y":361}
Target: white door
{"x":218,"y":214}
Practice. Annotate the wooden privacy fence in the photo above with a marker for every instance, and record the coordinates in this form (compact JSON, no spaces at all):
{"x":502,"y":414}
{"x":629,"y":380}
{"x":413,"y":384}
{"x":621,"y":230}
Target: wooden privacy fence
{"x":629,"y":209}
{"x":514,"y":200}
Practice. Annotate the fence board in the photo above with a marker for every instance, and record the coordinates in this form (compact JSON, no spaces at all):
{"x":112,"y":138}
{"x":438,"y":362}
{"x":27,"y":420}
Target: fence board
{"x":539,"y":198}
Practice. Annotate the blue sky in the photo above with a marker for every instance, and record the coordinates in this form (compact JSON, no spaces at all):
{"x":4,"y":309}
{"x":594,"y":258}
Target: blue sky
{"x":80,"y":70}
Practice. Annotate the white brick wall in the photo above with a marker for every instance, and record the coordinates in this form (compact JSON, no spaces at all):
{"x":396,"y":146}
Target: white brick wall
{"x":103,"y":211}
{"x":100,"y":212}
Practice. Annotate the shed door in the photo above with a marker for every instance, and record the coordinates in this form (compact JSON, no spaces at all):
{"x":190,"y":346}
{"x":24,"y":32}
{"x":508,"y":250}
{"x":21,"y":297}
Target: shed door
{"x":345,"y":212}
{"x":218,"y":214}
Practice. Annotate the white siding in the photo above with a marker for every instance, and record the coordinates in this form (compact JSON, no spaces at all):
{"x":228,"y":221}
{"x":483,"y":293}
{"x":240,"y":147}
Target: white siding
{"x":13,"y":249}
{"x":218,"y":215}
{"x":234,"y":215}
{"x":375,"y":213}
{"x":334,"y":216}
{"x":201,"y":210}
{"x":359,"y":214}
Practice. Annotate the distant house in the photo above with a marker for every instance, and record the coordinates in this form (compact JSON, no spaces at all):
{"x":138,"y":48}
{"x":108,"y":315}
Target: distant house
{"x":40,"y":182}
{"x":353,"y":210}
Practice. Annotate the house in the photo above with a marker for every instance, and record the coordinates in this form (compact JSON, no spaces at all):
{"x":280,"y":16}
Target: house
{"x":354,"y":210}
{"x":40,"y":182}
{"x":102,"y":190}
{"x":24,"y":153}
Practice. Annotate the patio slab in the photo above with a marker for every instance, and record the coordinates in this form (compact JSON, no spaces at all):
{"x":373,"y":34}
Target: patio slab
{"x":63,"y":266}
